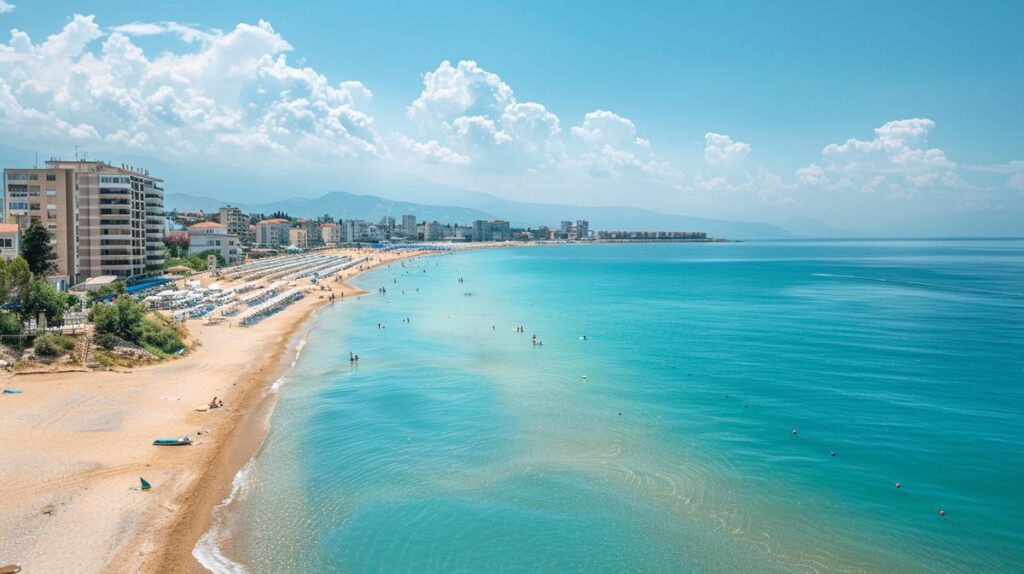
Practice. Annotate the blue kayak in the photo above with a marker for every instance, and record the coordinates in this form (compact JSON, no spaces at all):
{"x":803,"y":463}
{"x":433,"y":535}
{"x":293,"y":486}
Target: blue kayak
{"x":180,"y":441}
{"x":11,"y":392}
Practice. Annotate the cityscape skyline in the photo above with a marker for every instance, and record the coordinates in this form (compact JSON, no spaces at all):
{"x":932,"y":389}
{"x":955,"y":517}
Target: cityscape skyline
{"x":241,"y":97}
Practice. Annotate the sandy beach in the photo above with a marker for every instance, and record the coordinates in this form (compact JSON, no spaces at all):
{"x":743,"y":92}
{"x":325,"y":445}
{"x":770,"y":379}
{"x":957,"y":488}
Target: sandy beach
{"x":75,"y":444}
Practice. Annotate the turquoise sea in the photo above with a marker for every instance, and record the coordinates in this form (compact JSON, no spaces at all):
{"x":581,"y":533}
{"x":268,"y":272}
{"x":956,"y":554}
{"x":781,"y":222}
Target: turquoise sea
{"x":664,"y":441}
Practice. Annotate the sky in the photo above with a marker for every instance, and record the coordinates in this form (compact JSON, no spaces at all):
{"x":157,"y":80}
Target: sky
{"x":879,"y":118}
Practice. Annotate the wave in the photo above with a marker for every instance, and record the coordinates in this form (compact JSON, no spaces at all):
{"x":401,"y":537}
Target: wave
{"x":937,"y":286}
{"x":208,"y":550}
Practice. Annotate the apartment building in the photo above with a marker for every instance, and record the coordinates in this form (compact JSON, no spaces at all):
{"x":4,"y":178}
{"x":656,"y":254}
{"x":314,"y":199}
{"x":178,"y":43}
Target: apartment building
{"x":235,"y":221}
{"x":273,"y":232}
{"x":330,"y":234}
{"x":298,"y":237}
{"x":210,"y":236}
{"x":409,"y":226}
{"x":48,"y":196}
{"x":495,"y":230}
{"x":120,"y":219}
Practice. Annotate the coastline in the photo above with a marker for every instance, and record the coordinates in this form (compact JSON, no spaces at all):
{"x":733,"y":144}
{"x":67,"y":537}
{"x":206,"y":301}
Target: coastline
{"x":95,"y":428}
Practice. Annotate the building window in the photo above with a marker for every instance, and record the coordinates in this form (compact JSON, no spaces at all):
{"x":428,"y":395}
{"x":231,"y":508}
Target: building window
{"x":51,"y":177}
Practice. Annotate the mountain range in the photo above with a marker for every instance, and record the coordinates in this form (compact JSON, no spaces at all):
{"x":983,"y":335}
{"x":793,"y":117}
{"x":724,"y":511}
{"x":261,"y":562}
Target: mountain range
{"x":340,"y":204}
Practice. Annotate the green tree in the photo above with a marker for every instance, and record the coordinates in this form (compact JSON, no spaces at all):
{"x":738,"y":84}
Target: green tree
{"x":37,"y":251}
{"x":123,"y":318}
{"x":41,"y":297}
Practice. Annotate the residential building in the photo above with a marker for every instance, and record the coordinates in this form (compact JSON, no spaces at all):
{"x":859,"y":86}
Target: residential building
{"x":102,"y":219}
{"x":652,"y":235}
{"x":409,"y":226}
{"x":495,"y":230}
{"x":582,"y":229}
{"x":355,"y":230}
{"x":236,"y":222}
{"x":433,"y":231}
{"x":120,"y":219}
{"x":273,"y":233}
{"x":210,"y":236}
{"x":565,"y":230}
{"x":330,"y":234}
{"x":48,"y":196}
{"x":298,"y":237}
{"x":313,"y":236}
{"x":10,"y":240}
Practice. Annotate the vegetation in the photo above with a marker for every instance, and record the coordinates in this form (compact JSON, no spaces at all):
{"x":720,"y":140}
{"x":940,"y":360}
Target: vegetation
{"x":41,"y":297}
{"x":115,"y":288}
{"x":176,"y":244}
{"x":127,"y":320}
{"x":108,"y":340}
{"x":37,"y":251}
{"x":10,"y":324}
{"x":197,"y":262}
{"x":53,"y":345}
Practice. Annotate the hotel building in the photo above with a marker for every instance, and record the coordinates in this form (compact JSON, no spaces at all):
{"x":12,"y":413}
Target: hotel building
{"x":210,"y":236}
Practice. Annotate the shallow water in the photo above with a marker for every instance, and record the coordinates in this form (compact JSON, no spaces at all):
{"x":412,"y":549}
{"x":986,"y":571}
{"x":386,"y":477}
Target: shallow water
{"x":663,"y":442}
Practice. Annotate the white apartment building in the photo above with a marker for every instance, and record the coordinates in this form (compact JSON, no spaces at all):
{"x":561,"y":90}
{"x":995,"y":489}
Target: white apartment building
{"x":330,"y":234}
{"x":210,"y":236}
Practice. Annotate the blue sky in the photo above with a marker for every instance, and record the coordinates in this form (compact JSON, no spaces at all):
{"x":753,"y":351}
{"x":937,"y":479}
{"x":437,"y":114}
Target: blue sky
{"x":720,"y":109}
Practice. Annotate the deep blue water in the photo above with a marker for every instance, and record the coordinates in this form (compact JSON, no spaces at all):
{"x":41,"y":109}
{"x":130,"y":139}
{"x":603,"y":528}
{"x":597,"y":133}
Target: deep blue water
{"x":663,"y":442}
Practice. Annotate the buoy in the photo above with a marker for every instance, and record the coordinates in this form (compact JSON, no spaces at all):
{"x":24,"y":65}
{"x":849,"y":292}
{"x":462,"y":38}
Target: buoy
{"x":584,"y":376}
{"x":793,"y":431}
{"x":942,"y":513}
{"x":898,"y":485}
{"x":833,"y":453}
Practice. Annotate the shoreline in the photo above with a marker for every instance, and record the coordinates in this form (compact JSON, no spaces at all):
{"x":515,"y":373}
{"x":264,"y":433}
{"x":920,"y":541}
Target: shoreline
{"x":95,"y":428}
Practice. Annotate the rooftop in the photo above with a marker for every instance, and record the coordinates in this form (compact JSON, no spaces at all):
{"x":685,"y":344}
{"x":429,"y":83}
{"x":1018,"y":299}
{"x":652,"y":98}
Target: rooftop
{"x":206,"y":225}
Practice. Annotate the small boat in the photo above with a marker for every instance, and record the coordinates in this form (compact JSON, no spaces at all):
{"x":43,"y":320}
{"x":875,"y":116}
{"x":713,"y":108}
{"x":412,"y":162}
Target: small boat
{"x":10,"y":569}
{"x":11,"y":392}
{"x":145,"y":484}
{"x":180,"y":441}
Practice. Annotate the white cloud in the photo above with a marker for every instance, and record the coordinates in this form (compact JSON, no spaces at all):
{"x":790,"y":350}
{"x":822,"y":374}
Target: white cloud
{"x":812,"y":176}
{"x":897,"y":161}
{"x":721,"y":151}
{"x":221,"y":92}
{"x":1016,"y":182}
{"x":183,"y":31}
{"x":604,"y":127}
{"x":432,"y":151}
{"x":612,"y":148}
{"x":1016,"y":166}
{"x":6,"y":7}
{"x":474,"y":113}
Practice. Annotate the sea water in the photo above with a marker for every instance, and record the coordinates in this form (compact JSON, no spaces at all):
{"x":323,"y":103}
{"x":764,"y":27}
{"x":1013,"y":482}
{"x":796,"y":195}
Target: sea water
{"x":734,"y":407}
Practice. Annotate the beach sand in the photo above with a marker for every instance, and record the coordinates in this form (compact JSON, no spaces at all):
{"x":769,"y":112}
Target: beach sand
{"x":74,"y":446}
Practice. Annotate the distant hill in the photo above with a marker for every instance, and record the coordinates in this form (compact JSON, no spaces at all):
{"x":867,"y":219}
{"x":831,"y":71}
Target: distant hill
{"x":340,"y":204}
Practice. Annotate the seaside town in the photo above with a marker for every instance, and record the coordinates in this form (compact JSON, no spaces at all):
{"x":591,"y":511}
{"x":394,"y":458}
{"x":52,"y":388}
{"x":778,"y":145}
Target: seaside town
{"x":89,"y":231}
{"x":98,"y":280}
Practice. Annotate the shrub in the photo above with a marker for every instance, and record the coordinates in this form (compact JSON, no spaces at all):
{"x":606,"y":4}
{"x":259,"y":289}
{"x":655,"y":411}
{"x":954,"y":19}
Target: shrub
{"x":53,"y":345}
{"x":108,"y":340}
{"x":10,"y":324}
{"x":161,"y":337}
{"x":123,"y":318}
